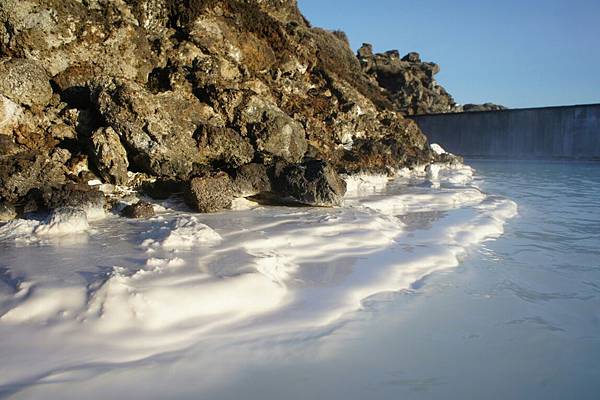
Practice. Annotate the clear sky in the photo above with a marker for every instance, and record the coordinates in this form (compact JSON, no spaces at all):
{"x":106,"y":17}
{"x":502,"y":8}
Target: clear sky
{"x":520,"y":53}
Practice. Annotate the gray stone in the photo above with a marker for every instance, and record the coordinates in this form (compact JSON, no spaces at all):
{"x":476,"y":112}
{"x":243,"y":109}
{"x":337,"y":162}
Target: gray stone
{"x":211,"y":193}
{"x":25,"y":82}
{"x":109,"y":156}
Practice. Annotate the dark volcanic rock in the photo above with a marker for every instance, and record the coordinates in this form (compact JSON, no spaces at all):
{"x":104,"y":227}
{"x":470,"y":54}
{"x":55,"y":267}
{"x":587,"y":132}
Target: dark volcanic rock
{"x":139,"y":210}
{"x":482,"y":107}
{"x":274,"y":132}
{"x":224,"y":146}
{"x":210,"y":193}
{"x":181,"y":90}
{"x":163,"y":189}
{"x":312,"y":183}
{"x":25,"y":171}
{"x":158,"y":129}
{"x":409,"y":82}
{"x":251,"y":180}
{"x":72,"y":195}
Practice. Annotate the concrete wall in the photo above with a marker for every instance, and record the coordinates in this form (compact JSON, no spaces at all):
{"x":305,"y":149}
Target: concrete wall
{"x":571,"y":132}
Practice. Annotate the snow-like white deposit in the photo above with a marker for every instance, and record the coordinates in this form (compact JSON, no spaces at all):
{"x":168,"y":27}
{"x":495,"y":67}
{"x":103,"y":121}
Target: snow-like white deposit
{"x":437,"y":149}
{"x":145,"y":290}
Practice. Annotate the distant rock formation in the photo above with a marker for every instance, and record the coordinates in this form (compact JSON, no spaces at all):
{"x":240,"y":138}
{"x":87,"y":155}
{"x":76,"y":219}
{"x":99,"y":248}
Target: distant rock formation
{"x":191,"y":93}
{"x":482,"y":107}
{"x":410,"y":84}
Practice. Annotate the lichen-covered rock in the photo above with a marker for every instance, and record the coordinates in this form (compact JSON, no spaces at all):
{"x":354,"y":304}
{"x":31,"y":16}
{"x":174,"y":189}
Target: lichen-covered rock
{"x":62,"y":33}
{"x":139,"y":210}
{"x":25,"y":82}
{"x":312,"y":183}
{"x":210,"y":193}
{"x":109,"y":156}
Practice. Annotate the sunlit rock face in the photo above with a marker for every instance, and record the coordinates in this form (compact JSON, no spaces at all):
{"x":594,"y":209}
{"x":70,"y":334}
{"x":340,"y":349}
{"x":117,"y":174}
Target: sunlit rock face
{"x":186,"y":89}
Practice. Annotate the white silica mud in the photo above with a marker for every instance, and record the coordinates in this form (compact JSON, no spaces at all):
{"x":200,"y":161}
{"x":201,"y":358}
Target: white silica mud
{"x":81,"y":295}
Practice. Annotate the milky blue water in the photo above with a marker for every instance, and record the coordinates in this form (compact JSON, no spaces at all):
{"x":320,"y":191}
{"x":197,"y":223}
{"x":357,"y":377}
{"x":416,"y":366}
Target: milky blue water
{"x":519,"y":319}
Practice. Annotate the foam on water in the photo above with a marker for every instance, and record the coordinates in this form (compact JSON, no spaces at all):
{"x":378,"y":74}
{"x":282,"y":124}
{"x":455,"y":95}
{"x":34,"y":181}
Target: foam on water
{"x":137,"y":289}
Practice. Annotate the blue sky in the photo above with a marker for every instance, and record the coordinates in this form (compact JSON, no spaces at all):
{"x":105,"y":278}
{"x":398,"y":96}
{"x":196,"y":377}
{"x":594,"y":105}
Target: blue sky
{"x":526,"y":53}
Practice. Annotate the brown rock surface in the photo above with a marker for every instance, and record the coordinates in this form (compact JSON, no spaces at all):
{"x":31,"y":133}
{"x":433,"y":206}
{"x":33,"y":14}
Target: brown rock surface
{"x":195,"y":92}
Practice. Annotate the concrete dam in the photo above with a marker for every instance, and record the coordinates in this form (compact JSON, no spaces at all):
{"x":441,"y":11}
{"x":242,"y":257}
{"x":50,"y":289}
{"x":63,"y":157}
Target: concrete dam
{"x":565,"y":132}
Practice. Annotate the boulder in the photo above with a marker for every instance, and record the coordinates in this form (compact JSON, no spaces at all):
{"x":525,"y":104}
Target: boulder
{"x":313,"y":183}
{"x":25,"y":82}
{"x":251,"y":180}
{"x":210,"y":193}
{"x":109,"y":156}
{"x":73,"y":195}
{"x":412,"y":57}
{"x":139,"y":210}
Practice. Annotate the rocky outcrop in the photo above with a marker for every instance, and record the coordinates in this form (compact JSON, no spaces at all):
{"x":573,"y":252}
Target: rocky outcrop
{"x":482,"y":107}
{"x":212,"y":95}
{"x":409,"y":83}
